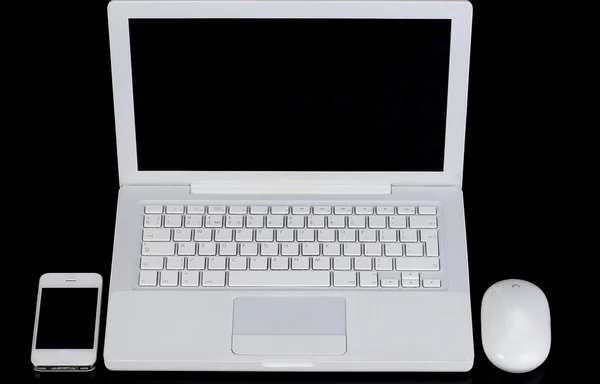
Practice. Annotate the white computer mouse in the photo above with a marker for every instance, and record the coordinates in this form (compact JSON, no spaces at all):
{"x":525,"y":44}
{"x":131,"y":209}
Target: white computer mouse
{"x":515,"y":325}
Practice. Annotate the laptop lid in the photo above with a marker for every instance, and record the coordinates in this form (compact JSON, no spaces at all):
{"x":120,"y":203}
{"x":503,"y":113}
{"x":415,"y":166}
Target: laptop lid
{"x":340,"y":92}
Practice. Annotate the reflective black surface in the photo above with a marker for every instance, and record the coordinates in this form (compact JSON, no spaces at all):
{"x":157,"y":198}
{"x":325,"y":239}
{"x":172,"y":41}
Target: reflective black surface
{"x":68,"y":223}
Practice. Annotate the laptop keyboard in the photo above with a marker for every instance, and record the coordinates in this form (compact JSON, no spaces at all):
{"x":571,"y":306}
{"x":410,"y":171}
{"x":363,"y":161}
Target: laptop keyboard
{"x":281,"y":246}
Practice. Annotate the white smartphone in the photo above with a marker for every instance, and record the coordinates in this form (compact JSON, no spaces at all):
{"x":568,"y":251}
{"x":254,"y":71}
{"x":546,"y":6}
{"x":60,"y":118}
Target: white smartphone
{"x":67,"y":318}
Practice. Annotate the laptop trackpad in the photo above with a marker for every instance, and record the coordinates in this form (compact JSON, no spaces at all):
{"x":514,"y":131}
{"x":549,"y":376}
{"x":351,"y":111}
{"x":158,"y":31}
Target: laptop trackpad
{"x":289,"y":326}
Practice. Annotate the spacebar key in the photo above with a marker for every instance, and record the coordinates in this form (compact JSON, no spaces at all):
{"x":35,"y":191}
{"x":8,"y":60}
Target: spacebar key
{"x":279,"y":279}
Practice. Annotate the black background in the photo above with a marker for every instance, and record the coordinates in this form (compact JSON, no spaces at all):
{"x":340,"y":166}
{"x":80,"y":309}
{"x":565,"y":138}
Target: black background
{"x":521,"y":134}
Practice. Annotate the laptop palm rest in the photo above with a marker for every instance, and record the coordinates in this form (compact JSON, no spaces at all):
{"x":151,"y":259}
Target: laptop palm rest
{"x":289,"y":326}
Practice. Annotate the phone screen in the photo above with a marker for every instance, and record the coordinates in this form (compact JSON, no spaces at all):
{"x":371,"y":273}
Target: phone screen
{"x":67,"y":318}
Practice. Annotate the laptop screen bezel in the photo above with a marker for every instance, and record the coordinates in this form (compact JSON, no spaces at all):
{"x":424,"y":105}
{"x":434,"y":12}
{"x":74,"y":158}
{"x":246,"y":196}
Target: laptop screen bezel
{"x":459,"y":12}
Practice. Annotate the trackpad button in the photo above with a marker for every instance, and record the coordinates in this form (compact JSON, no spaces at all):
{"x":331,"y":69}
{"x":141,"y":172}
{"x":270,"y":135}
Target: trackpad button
{"x":289,"y":326}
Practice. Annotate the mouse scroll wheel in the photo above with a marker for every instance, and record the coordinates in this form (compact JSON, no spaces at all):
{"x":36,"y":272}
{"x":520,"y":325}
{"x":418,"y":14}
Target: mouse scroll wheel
{"x":516,"y":286}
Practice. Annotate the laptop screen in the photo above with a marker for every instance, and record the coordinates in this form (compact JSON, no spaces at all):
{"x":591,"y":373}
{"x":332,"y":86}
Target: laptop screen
{"x":290,"y":94}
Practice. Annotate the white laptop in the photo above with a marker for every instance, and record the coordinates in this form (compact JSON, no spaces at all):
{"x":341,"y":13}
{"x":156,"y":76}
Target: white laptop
{"x":290,"y":186}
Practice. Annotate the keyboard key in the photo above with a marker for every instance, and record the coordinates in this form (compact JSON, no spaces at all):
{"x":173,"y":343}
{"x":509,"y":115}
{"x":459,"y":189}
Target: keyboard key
{"x":408,"y":236}
{"x":305,"y":235}
{"x":151,"y":262}
{"x":388,"y":236}
{"x":385,"y":210}
{"x":352,"y":249}
{"x":344,"y":279}
{"x":417,"y":264}
{"x":311,"y":249}
{"x":158,"y":249}
{"x":347,"y":235}
{"x":214,"y":221}
{"x":203,"y":235}
{"x":410,"y":276}
{"x":367,"y":235}
{"x":217,"y":263}
{"x":377,"y":222}
{"x":300,"y":210}
{"x":285,"y":235}
{"x":248,"y":249}
{"x":296,"y":221}
{"x":432,"y":283}
{"x":357,"y":221}
{"x":238,"y":210}
{"x":363,"y":263}
{"x":234,"y":221}
{"x":182,"y":234}
{"x":280,"y":210}
{"x":393,"y":249}
{"x":372,"y":249}
{"x":300,"y":263}
{"x":406,"y":210}
{"x":173,"y":221}
{"x":313,"y":221}
{"x":331,"y":249}
{"x":196,"y":210}
{"x":148,"y":279}
{"x":326,"y":235}
{"x":321,"y":263}
{"x":190,"y":279}
{"x":422,"y":222}
{"x":290,"y":249}
{"x":383,"y":264}
{"x":427,"y":210}
{"x":269,"y":249}
{"x":258,"y":263}
{"x":322,"y":210}
{"x":196,"y":262}
{"x":279,"y":279}
{"x":175,"y":262}
{"x":217,"y":210}
{"x":275,"y":221}
{"x":389,"y":283}
{"x":397,"y":222}
{"x":244,"y":235}
{"x":228,"y":249}
{"x":336,"y":221}
{"x":156,"y":234}
{"x":342,"y":210}
{"x":255,"y":221}
{"x":152,"y":221}
{"x":410,"y":283}
{"x":265,"y":235}
{"x":364,"y":210}
{"x":259,"y":209}
{"x":280,"y":263}
{"x":367,"y":279}
{"x":175,"y":209}
{"x":430,"y":238}
{"x":214,"y":279}
{"x":414,"y":249}
{"x":193,"y":221}
{"x":237,"y":263}
{"x":223,"y":235}
{"x":207,"y":249}
{"x":342,"y":263}
{"x":169,"y":278}
{"x":153,"y":209}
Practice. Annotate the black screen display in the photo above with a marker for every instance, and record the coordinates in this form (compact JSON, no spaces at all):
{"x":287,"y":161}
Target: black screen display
{"x":290,"y":94}
{"x":67,"y":318}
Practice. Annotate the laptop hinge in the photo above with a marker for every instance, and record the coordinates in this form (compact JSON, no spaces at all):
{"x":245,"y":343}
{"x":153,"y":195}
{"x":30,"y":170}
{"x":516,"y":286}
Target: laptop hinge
{"x":294,"y":189}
